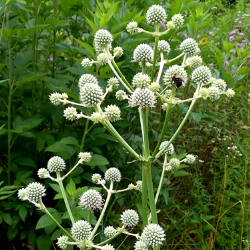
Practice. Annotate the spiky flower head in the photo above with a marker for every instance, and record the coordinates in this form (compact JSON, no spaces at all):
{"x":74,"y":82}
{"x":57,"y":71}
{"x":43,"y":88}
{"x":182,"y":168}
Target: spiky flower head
{"x":194,"y":62}
{"x":139,"y":185}
{"x":108,"y":247}
{"x":163,"y":47}
{"x":156,"y":14}
{"x":56,"y":163}
{"x":175,"y":72}
{"x":97,"y":117}
{"x":153,"y":235}
{"x":70,"y":113}
{"x":143,"y":53}
{"x":204,"y":92}
{"x":230,"y":93}
{"x":96,"y":177}
{"x":81,"y":230}
{"x":118,"y":52}
{"x":190,"y":159}
{"x":132,"y":28}
{"x":43,"y":173}
{"x":35,"y":191}
{"x":22,"y":194}
{"x":113,"y":113}
{"x":91,"y":94}
{"x":174,"y":163}
{"x":220,"y":84}
{"x":85,"y":156}
{"x":214,"y":93}
{"x":189,"y":46}
{"x":142,"y":98}
{"x":55,"y":98}
{"x":113,"y":174}
{"x":103,"y":59}
{"x":141,"y":80}
{"x":178,"y":20}
{"x":86,"y":63}
{"x":201,"y":75}
{"x":121,"y":95}
{"x":109,"y":232}
{"x":91,"y":200}
{"x":171,"y":25}
{"x":140,"y":245}
{"x":167,"y":93}
{"x":64,"y":96}
{"x":62,"y":242}
{"x":130,"y":218}
{"x":169,"y":150}
{"x":154,"y":86}
{"x":102,"y":39}
{"x":87,"y":78}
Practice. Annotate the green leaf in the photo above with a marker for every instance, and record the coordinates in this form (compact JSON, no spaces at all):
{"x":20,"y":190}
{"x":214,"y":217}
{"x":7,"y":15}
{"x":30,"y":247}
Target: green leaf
{"x":22,"y":59}
{"x":25,"y":161}
{"x":21,"y":126}
{"x":181,"y":173}
{"x":97,"y":160}
{"x":22,"y":33}
{"x":91,"y":24}
{"x":196,"y":116}
{"x":71,"y":187}
{"x":44,"y":221}
{"x":32,"y":237}
{"x":23,"y":212}
{"x":29,"y":77}
{"x":43,"y":242}
{"x":7,"y":219}
{"x":88,"y":47}
{"x":12,"y":232}
{"x":3,"y":130}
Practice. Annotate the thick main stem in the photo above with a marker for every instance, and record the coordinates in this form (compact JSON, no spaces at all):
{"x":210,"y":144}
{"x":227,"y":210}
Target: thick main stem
{"x":155,"y":52}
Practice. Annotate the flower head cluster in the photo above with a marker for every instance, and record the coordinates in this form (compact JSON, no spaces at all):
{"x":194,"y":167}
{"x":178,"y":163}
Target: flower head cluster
{"x":102,"y":40}
{"x":141,"y":80}
{"x":169,"y":150}
{"x":113,"y":113}
{"x":121,"y":95}
{"x":55,"y":98}
{"x":91,"y":200}
{"x":85,"y":156}
{"x":190,"y":159}
{"x":130,"y":218}
{"x":87,"y":78}
{"x":62,"y":242}
{"x":143,"y":53}
{"x":109,"y":231}
{"x":113,"y":174}
{"x":219,"y":83}
{"x":132,"y":28}
{"x":81,"y":230}
{"x":70,"y":113}
{"x":86,"y":63}
{"x":142,"y":98}
{"x":33,"y":192}
{"x":96,"y":177}
{"x":156,"y":14}
{"x":174,"y":163}
{"x":113,"y":82}
{"x":194,"y":62}
{"x":189,"y":46}
{"x":140,"y":245}
{"x":118,"y":51}
{"x":56,"y":163}
{"x":163,"y":47}
{"x":43,"y":173}
{"x":201,"y":75}
{"x":178,"y":20}
{"x":175,"y":76}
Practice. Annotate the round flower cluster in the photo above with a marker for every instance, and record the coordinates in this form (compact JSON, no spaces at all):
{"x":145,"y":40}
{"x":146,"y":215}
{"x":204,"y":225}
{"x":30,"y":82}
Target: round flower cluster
{"x":108,"y":247}
{"x":194,"y":62}
{"x":163,"y":47}
{"x":154,"y":86}
{"x":43,"y":173}
{"x":113,"y":113}
{"x":35,"y":191}
{"x":91,"y":200}
{"x":204,"y":92}
{"x":70,"y":113}
{"x":96,"y":177}
{"x":130,"y":218}
{"x":87,"y":78}
{"x":174,"y":163}
{"x":113,"y":82}
{"x":91,"y":94}
{"x":118,"y":51}
{"x":140,"y":245}
{"x":220,"y":84}
{"x":201,"y":75}
{"x":81,"y":230}
{"x":132,"y":28}
{"x":230,"y":93}
{"x":142,"y":98}
{"x":97,"y":117}
{"x":113,"y":174}
{"x":214,"y":93}
{"x":85,"y":156}
{"x":56,"y":163}
{"x":62,"y":242}
{"x":141,"y":80}
{"x":55,"y":98}
{"x":156,"y":14}
{"x":86,"y":63}
{"x":22,"y":194}
{"x":102,"y":59}
{"x":102,"y":40}
{"x":153,"y":235}
{"x":121,"y":95}
{"x":190,"y":159}
{"x":175,"y":72}
{"x":143,"y":53}
{"x":178,"y":20}
{"x":109,"y":231}
{"x":169,"y":150}
{"x":139,"y":185}
{"x":189,"y":46}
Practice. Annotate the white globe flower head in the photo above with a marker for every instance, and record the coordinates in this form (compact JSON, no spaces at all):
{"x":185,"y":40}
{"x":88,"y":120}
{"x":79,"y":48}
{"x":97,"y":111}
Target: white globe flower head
{"x":118,"y":52}
{"x":230,"y":93}
{"x":62,"y":242}
{"x":194,"y":62}
{"x":91,"y":200}
{"x":121,"y":95}
{"x":163,"y":47}
{"x":156,"y":15}
{"x":113,"y":113}
{"x":96,"y":177}
{"x":204,"y":92}
{"x":113,"y":82}
{"x":130,"y":218}
{"x":43,"y":173}
{"x":113,"y":174}
{"x":220,"y":84}
{"x":132,"y":28}
{"x":169,"y":150}
{"x":175,"y":76}
{"x":81,"y":230}
{"x":201,"y":75}
{"x":22,"y":194}
{"x":96,"y":117}
{"x":153,"y":235}
{"x":174,"y":163}
{"x":85,"y":156}
{"x":141,"y":80}
{"x":139,"y":185}
{"x":86,"y":63}
{"x":109,"y":232}
{"x":214,"y":93}
{"x":102,"y":59}
{"x":190,"y":159}
{"x":102,"y":39}
{"x":170,"y":25}
{"x":87,"y":78}
{"x":154,"y":86}
{"x":142,"y":98}
{"x":91,"y":94}
{"x":55,"y":98}
{"x":178,"y":20}
{"x":143,"y":53}
{"x":56,"y":163}
{"x":35,"y":192}
{"x":189,"y":46}
{"x":108,"y":247}
{"x":70,"y":113}
{"x":140,"y":245}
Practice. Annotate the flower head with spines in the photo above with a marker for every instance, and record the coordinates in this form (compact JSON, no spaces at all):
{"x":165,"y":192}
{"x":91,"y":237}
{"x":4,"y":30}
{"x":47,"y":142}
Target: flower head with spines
{"x":109,"y":232}
{"x":22,"y":194}
{"x":140,"y":245}
{"x":142,"y":98}
{"x":55,"y":98}
{"x":174,"y":163}
{"x":43,"y":173}
{"x":230,"y":93}
{"x":130,"y":218}
{"x":86,"y":63}
{"x":56,"y":163}
{"x":141,"y":80}
{"x":143,"y":53}
{"x":220,"y":84}
{"x":102,"y":59}
{"x":169,"y":150}
{"x":173,"y":72}
{"x":121,"y":95}
{"x":163,"y":47}
{"x":70,"y":113}
{"x":139,"y":185}
{"x":194,"y":62}
{"x":113,"y":174}
{"x":189,"y":46}
{"x":132,"y":28}
{"x":102,"y":40}
{"x":91,"y":94}
{"x":81,"y":230}
{"x":35,"y":192}
{"x":190,"y":159}
{"x":62,"y":242}
{"x":156,"y":15}
{"x":107,"y":247}
{"x":91,"y":200}
{"x":96,"y":177}
{"x":178,"y":20}
{"x":97,"y":117}
{"x":87,"y":78}
{"x":118,"y":52}
{"x":214,"y":93}
{"x":113,"y":113}
{"x":85,"y":156}
{"x":113,"y":82}
{"x":201,"y":75}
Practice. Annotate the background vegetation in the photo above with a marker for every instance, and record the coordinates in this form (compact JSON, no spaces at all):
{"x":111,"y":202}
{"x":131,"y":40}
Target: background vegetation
{"x":42,"y":45}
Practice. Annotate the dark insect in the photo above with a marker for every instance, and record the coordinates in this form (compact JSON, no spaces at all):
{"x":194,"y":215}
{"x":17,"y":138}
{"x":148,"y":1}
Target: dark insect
{"x":177,"y":80}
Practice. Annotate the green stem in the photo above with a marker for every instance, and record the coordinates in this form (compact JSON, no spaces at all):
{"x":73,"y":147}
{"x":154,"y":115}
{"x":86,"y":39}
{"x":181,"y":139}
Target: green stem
{"x":144,"y":198}
{"x":64,"y":196}
{"x":155,"y":52}
{"x":144,"y":126}
{"x":103,"y":211}
{"x":84,"y":135}
{"x":89,"y":216}
{"x":118,"y":233}
{"x":44,"y":209}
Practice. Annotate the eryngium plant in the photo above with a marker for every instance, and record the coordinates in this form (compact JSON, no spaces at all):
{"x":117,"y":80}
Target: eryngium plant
{"x":145,"y":92}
